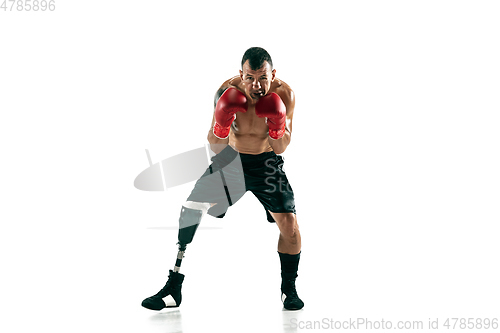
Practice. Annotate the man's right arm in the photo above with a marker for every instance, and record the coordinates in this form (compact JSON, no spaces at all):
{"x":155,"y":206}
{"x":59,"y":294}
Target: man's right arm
{"x":228,"y":101}
{"x":217,"y":144}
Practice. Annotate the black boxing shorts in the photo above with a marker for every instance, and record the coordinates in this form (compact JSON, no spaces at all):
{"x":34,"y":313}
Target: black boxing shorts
{"x":232,"y":174}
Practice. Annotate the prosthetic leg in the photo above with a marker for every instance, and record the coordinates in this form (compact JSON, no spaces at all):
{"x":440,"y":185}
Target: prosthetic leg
{"x":170,"y":295}
{"x":188,"y":223}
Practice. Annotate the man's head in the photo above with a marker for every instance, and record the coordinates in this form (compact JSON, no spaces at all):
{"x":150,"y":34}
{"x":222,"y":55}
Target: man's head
{"x":257,"y":72}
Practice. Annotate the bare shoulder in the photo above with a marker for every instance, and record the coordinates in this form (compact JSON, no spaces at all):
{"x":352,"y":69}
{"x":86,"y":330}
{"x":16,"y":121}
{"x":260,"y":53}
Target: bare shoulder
{"x":286,"y":94}
{"x":234,"y":82}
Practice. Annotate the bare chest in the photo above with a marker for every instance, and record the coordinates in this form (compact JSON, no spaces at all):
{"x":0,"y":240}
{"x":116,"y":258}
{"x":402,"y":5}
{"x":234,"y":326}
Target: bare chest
{"x":249,"y":124}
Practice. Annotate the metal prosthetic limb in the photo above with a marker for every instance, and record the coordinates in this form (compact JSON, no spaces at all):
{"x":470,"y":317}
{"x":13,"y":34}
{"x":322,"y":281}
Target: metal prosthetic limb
{"x":171,"y":295}
{"x":188,"y":223}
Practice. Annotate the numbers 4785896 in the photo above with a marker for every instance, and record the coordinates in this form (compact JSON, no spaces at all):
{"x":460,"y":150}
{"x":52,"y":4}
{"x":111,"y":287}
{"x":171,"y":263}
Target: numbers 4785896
{"x":28,"y":5}
{"x":471,"y":323}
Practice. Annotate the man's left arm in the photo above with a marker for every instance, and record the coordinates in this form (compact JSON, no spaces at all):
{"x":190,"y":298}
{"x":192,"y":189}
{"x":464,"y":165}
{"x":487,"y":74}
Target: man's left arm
{"x":280,"y":145}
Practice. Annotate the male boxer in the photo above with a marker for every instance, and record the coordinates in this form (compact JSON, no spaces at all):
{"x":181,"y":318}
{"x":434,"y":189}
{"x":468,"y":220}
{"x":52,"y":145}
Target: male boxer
{"x":252,"y":121}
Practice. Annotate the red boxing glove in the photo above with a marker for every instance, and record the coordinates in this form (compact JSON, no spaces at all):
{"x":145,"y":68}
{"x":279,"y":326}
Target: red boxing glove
{"x":231,"y":101}
{"x":272,"y":107}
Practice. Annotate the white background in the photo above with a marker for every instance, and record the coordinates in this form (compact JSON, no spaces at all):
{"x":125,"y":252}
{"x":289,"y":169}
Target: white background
{"x":394,"y":162}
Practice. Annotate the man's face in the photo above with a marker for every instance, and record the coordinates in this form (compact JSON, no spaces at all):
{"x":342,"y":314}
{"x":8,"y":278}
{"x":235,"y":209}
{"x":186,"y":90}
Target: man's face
{"x":257,"y":82}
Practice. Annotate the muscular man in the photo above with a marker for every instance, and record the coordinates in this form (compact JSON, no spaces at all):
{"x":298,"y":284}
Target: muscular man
{"x":252,"y":123}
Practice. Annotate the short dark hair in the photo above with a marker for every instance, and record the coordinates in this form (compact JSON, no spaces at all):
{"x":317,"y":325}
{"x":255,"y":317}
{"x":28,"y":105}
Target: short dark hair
{"x":256,"y":57}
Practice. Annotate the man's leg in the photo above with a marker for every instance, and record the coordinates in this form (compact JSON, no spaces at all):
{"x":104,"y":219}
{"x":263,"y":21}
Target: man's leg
{"x":289,"y":246}
{"x":289,"y":241}
{"x":221,"y":189}
{"x":170,"y":295}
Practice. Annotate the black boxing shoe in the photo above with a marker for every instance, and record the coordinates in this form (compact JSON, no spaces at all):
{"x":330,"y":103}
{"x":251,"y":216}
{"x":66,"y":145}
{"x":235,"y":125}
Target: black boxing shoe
{"x":169,"y":296}
{"x":289,"y":297}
